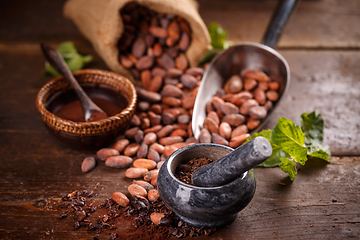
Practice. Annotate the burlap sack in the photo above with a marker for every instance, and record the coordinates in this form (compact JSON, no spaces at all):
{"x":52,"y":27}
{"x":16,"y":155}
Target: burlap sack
{"x":100,"y":22}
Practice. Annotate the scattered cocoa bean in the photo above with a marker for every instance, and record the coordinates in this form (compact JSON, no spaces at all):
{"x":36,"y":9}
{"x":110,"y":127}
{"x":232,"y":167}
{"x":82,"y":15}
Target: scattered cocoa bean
{"x":131,"y":149}
{"x":88,"y":164}
{"x":135,"y":172}
{"x":105,"y":153}
{"x":120,"y":199}
{"x":137,"y":190}
{"x":120,"y":161}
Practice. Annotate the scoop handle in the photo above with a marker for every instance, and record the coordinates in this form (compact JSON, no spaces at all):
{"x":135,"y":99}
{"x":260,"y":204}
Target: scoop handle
{"x":234,"y":164}
{"x":278,"y":22}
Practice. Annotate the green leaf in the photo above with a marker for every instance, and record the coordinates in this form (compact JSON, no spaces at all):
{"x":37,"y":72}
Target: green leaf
{"x":50,"y":69}
{"x":218,"y":35}
{"x":66,"y":47}
{"x":291,"y":139}
{"x":264,"y":133}
{"x":274,"y":159}
{"x":319,"y":151}
{"x":312,"y":125}
{"x":75,"y":63}
{"x":87,"y":59}
{"x":288,"y":166}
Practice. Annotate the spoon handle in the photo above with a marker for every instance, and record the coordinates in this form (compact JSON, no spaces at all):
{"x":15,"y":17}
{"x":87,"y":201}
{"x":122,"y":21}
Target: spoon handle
{"x":278,"y":22}
{"x":57,"y":61}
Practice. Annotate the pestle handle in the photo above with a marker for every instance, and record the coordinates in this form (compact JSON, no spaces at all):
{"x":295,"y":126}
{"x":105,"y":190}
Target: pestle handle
{"x":234,"y":164}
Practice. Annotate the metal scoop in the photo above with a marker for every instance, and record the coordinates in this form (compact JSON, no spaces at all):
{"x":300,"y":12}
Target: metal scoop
{"x":246,"y":56}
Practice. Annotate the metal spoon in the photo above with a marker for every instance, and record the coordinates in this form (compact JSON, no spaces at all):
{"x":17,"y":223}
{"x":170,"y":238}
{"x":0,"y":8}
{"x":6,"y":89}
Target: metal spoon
{"x":246,"y":56}
{"x":91,"y":111}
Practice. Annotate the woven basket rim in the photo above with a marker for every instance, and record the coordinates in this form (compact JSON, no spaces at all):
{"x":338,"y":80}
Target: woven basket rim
{"x":87,"y":128}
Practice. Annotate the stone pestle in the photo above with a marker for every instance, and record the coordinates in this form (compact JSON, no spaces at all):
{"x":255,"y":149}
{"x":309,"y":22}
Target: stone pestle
{"x":234,"y":164}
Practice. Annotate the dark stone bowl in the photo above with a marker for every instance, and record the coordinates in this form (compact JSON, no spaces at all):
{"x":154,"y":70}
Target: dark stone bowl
{"x":205,"y":207}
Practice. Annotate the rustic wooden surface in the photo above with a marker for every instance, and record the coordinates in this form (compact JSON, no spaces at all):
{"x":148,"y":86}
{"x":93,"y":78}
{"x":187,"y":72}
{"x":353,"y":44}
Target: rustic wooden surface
{"x":321,"y":44}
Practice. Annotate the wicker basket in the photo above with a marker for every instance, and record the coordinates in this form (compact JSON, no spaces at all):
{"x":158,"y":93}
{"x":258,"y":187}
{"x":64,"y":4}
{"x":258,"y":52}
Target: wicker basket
{"x":88,"y":134}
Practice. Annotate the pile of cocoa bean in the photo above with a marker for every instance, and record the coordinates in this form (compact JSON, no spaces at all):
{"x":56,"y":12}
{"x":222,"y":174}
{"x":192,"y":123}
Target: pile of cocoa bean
{"x":239,"y":107}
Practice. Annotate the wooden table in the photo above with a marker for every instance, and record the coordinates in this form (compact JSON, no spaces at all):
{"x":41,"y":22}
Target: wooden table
{"x":321,"y":43}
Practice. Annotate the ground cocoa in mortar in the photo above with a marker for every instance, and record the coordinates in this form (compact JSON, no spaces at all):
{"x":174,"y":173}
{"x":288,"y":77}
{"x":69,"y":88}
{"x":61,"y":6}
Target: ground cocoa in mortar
{"x":184,"y":171}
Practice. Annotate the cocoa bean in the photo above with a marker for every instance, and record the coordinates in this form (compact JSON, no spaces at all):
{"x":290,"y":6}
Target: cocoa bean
{"x":263,"y":85}
{"x":167,"y":118}
{"x":213,"y":115}
{"x":135,"y":121}
{"x":145,"y":62}
{"x":145,"y":123}
{"x":153,"y":129}
{"x":147,"y":186}
{"x":153,"y":155}
{"x":137,"y":190}
{"x":147,"y":95}
{"x":245,"y":107}
{"x":234,"y":119}
{"x":184,"y":41}
{"x":149,"y":40}
{"x":239,"y":98}
{"x":142,"y":151}
{"x":171,"y":91}
{"x":179,"y":132}
{"x":105,"y":153}
{"x":151,"y":174}
{"x":170,"y":140}
{"x":150,"y":138}
{"x":138,"y":48}
{"x":135,"y":172}
{"x":225,"y":130}
{"x":216,"y":138}
{"x":272,"y":95}
{"x":274,"y":86}
{"x":159,"y":218}
{"x":156,"y":84}
{"x":166,"y":61}
{"x":144,"y":163}
{"x":168,"y":150}
{"x":88,"y":164}
{"x":240,"y":130}
{"x":118,"y":161}
{"x":211,"y":125}
{"x":209,"y":107}
{"x":268,"y":105}
{"x":157,"y":147}
{"x":154,"y":118}
{"x":156,"y":108}
{"x":120,"y":199}
{"x":143,"y":106}
{"x":159,"y":164}
{"x":233,"y":85}
{"x":158,"y":71}
{"x":126,"y":62}
{"x":184,"y":119}
{"x":249,"y":84}
{"x":171,"y":101}
{"x":205,"y":136}
{"x":258,"y":112}
{"x":174,"y":72}
{"x":157,"y":50}
{"x":195,"y":71}
{"x":192,"y":140}
{"x":188,"y":102}
{"x":259,"y":95}
{"x":189,"y":81}
{"x":252,"y":123}
{"x":131,"y":149}
{"x":165,"y":131}
{"x":158,"y":32}
{"x":229,"y":108}
{"x":180,"y":126}
{"x":217,"y":102}
{"x":153,"y":195}
{"x":139,"y":136}
{"x":257,"y":75}
{"x":173,"y":31}
{"x":181,"y":62}
{"x":237,"y":141}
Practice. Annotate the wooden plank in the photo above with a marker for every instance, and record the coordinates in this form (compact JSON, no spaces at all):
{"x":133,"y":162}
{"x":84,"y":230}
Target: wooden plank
{"x":314,"y":24}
